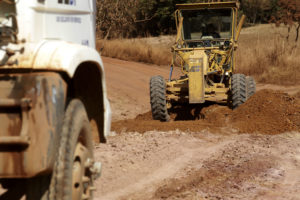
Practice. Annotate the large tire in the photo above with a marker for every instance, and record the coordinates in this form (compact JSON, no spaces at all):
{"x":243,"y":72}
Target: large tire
{"x":158,"y":99}
{"x":251,"y":86}
{"x":238,"y":90}
{"x":72,"y":178}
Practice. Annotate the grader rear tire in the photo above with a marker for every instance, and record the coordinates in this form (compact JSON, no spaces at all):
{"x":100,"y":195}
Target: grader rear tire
{"x":251,"y":86}
{"x":158,"y":99}
{"x":72,"y":178}
{"x":238,"y":90}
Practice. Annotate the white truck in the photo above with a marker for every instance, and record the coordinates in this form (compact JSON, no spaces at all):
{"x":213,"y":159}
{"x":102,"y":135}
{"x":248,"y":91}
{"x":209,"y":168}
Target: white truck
{"x":52,"y":99}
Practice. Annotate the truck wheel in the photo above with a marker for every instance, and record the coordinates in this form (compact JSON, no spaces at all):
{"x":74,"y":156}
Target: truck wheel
{"x":72,"y":177}
{"x":158,"y":99}
{"x":238,"y":90}
{"x":251,"y":86}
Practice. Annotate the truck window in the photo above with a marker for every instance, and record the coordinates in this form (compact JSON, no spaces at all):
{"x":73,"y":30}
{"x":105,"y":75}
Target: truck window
{"x":68,"y":2}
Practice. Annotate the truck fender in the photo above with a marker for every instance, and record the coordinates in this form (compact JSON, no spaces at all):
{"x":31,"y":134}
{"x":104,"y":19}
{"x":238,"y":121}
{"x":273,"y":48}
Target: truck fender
{"x":86,"y":79}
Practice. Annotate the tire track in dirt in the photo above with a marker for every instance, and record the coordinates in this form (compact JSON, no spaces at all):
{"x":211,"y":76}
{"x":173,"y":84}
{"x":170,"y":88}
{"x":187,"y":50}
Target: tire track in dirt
{"x":255,"y":167}
{"x":177,"y":165}
{"x":218,"y":165}
{"x":165,"y":172}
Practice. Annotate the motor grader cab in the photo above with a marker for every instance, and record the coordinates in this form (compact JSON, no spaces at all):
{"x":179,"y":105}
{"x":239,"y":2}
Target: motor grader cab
{"x":52,"y":99}
{"x":207,"y":35}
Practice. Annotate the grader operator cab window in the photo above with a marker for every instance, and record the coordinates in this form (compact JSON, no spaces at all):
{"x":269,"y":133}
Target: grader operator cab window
{"x":207,"y":24}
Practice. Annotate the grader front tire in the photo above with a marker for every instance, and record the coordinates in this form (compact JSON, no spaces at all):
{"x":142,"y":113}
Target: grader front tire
{"x":158,"y":99}
{"x":238,"y":90}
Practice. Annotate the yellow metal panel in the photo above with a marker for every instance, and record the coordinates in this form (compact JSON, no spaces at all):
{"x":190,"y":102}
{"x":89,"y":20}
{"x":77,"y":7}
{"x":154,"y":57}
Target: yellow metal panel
{"x":196,"y":82}
{"x":239,"y":28}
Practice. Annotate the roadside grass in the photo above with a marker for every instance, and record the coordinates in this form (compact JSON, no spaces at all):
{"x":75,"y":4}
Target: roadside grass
{"x":263,"y":52}
{"x":138,"y":50}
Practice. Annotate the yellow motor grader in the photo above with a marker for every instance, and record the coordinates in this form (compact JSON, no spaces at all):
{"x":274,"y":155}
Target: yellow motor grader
{"x":207,"y":35}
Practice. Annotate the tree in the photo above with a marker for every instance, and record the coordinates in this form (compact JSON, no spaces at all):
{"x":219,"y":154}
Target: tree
{"x":257,"y":10}
{"x":132,"y":18}
{"x":289,"y":15}
{"x":115,"y":18}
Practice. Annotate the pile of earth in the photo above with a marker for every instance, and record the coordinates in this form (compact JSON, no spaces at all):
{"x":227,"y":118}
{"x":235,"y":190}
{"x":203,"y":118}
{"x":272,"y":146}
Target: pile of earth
{"x":268,"y":112}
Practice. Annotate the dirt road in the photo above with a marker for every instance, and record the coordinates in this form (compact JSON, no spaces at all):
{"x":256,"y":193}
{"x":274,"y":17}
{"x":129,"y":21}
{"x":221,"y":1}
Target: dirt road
{"x":128,"y":86}
{"x":219,"y":159}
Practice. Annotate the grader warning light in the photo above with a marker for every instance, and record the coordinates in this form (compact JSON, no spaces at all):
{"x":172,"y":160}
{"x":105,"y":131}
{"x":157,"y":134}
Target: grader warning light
{"x":207,"y":35}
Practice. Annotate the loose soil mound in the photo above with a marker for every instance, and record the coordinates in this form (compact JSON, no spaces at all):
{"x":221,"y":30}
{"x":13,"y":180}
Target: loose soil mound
{"x":268,"y":112}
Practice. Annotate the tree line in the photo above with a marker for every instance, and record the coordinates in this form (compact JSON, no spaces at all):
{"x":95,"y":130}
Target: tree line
{"x":140,"y":18}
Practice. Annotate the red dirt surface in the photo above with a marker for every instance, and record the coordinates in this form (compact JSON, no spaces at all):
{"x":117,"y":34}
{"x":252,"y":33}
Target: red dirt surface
{"x":177,"y":165}
{"x":128,"y":86}
{"x":268,"y":112}
{"x":209,"y":160}
{"x":297,"y":95}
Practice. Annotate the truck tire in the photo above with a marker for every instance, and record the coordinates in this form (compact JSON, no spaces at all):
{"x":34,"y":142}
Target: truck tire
{"x":158,"y":99}
{"x":238,"y":90}
{"x":72,"y":178}
{"x":251,"y":86}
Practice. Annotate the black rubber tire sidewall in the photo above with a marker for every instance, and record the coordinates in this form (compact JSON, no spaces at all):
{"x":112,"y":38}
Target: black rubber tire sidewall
{"x":76,"y":128}
{"x":158,"y":99}
{"x":238,"y":90}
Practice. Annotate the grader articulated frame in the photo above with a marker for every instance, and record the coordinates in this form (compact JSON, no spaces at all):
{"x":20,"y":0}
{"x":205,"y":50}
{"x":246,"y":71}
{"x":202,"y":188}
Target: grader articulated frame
{"x":207,"y":35}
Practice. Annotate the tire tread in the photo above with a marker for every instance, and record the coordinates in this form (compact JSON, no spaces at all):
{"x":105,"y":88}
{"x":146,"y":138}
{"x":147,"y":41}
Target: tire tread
{"x":158,"y":99}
